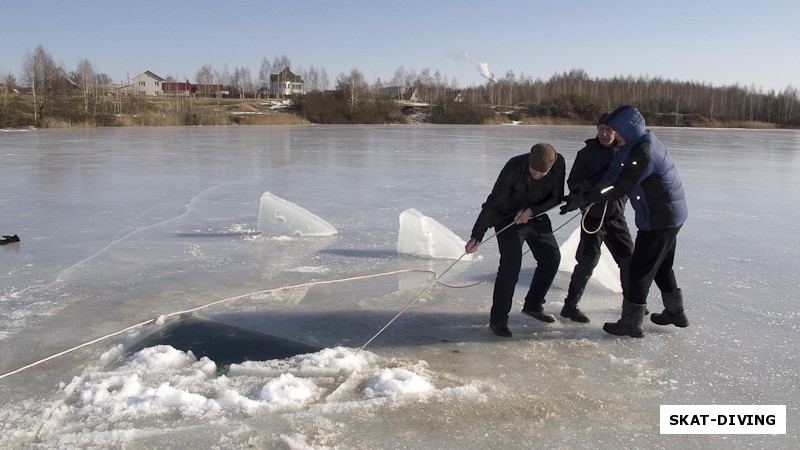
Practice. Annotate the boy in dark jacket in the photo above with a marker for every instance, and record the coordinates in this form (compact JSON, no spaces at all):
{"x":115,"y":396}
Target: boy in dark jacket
{"x":528,"y":186}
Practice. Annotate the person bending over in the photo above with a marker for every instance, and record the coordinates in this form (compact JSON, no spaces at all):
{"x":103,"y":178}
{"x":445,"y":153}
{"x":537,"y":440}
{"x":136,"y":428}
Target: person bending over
{"x":528,"y":186}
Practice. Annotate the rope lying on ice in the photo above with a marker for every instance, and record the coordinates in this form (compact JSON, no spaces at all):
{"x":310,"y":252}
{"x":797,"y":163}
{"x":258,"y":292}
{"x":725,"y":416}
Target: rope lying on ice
{"x":264,"y":291}
{"x":187,"y":311}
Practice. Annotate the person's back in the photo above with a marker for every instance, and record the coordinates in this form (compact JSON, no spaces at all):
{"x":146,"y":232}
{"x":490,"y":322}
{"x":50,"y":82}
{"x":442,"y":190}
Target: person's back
{"x":654,"y":188}
{"x":644,"y":170}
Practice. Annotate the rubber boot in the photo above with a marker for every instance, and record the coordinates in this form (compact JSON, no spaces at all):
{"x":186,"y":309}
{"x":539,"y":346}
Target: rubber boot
{"x":673,"y":310}
{"x":631,"y":322}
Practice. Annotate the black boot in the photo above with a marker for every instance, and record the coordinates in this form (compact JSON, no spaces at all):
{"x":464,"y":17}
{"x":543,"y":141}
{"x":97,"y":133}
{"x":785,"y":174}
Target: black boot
{"x":673,"y":310}
{"x":500,"y":329}
{"x":631,"y":322}
{"x":577,"y":284}
{"x":571,"y":311}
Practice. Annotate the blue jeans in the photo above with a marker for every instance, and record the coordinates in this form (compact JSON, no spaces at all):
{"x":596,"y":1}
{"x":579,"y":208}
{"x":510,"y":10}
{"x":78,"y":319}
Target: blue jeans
{"x":538,"y":233}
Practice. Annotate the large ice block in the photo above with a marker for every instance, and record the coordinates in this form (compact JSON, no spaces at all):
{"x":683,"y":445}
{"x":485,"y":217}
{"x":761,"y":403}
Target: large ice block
{"x":423,"y":236}
{"x":279,"y":217}
{"x":606,"y":272}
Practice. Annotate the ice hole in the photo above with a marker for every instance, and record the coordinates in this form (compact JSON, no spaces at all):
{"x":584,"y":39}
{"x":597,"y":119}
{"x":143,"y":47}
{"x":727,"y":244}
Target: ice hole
{"x":222,"y":343}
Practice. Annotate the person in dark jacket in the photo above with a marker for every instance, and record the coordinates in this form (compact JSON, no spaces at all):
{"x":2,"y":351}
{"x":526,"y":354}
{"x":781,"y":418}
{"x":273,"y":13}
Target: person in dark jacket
{"x":645,"y":171}
{"x":602,"y":222}
{"x":528,"y":186}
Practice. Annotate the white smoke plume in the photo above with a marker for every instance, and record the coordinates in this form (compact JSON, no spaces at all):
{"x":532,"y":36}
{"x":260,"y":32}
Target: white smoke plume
{"x":483,"y":67}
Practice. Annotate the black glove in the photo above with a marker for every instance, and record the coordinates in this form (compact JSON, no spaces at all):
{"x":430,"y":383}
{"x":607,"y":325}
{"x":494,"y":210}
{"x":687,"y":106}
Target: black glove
{"x":574,"y":201}
{"x":9,"y":239}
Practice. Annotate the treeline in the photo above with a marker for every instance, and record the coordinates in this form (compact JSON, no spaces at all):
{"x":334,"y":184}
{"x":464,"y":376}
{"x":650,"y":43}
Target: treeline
{"x":574,"y":95}
{"x":47,"y":95}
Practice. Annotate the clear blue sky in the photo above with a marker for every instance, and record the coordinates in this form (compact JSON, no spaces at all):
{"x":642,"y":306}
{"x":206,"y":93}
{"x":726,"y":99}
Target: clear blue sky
{"x":720,"y":42}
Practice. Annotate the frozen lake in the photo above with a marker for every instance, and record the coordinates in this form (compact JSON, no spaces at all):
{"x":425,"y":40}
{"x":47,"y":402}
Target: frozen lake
{"x":120,"y":227}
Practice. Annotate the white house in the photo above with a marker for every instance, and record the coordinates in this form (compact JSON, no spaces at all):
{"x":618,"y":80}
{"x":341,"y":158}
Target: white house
{"x":286,"y":83}
{"x":147,"y":83}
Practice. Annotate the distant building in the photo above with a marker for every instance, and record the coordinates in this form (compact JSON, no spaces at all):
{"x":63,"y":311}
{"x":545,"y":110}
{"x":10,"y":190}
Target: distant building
{"x":400,"y":92}
{"x":148,"y":84}
{"x":285,"y":84}
{"x":188,"y":89}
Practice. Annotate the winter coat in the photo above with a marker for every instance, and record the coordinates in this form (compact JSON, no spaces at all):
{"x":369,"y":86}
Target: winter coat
{"x":644,"y":170}
{"x":516,"y":190}
{"x":590,"y":164}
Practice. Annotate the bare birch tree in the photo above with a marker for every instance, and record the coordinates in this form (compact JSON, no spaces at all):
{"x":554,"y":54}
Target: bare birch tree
{"x":40,"y":72}
{"x":264,"y":72}
{"x":354,"y":87}
{"x":87,"y":80}
{"x":205,"y":78}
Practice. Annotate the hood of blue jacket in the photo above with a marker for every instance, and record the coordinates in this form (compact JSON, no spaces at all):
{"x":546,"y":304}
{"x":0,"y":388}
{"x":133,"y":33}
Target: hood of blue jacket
{"x":629,"y":125}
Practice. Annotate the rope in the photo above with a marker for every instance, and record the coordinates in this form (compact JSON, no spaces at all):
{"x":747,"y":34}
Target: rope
{"x":462,"y":286}
{"x":313,"y":283}
{"x":187,"y":311}
{"x":602,"y":219}
{"x":446,"y":270}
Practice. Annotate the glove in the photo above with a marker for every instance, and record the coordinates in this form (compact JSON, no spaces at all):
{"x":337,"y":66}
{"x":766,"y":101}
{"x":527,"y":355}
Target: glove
{"x":574,"y":201}
{"x":9,"y":239}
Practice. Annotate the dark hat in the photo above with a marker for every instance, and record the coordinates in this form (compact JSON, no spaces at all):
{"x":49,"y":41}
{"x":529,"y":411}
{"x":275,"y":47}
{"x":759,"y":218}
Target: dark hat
{"x":604,"y":118}
{"x":542,"y":157}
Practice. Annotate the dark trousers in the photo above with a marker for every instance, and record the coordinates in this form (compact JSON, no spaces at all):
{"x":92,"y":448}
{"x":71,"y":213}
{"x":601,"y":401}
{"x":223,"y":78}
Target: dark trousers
{"x":617,"y":238}
{"x":653,"y":256}
{"x":538,"y":234}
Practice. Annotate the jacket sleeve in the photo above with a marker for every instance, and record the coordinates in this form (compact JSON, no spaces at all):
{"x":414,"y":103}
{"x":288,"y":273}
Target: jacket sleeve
{"x":501,"y":191}
{"x":580,"y":173}
{"x":632,"y":171}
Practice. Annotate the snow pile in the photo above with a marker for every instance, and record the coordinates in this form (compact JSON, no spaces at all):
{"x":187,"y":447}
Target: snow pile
{"x":278,"y":217}
{"x":606,"y":272}
{"x":160,"y":382}
{"x":423,"y":236}
{"x":394,"y":382}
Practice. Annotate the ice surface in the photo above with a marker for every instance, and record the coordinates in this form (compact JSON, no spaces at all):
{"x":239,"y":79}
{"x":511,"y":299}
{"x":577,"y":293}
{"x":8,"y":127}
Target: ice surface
{"x":119,"y":226}
{"x":606,"y":272}
{"x":279,"y":217}
{"x":423,"y":236}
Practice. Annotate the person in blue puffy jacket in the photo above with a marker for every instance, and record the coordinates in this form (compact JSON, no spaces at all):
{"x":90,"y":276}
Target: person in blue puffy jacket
{"x":643,"y":170}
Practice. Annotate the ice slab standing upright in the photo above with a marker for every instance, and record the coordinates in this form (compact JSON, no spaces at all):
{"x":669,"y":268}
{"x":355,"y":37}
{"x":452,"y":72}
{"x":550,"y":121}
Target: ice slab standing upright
{"x":279,"y":217}
{"x":606,"y":272}
{"x":423,"y":236}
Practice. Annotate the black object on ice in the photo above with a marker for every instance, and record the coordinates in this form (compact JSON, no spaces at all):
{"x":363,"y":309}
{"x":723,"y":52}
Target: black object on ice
{"x":224,"y":344}
{"x":9,"y":239}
